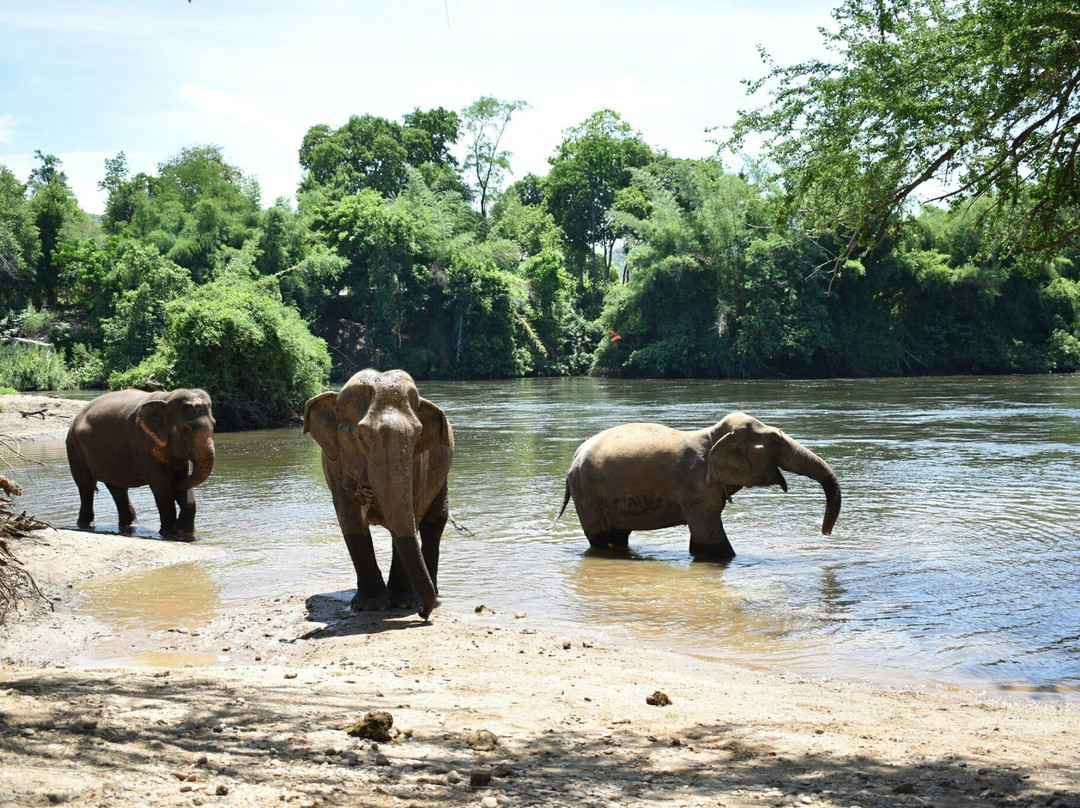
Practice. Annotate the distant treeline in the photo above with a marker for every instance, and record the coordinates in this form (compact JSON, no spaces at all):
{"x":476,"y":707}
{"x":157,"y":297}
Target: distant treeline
{"x":622,"y":260}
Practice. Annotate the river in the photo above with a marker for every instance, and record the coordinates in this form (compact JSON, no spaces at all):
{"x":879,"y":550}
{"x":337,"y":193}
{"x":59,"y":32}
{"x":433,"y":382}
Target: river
{"x":955,"y":560}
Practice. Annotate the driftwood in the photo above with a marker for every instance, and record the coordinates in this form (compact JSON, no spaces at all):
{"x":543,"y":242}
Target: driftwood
{"x":16,"y":584}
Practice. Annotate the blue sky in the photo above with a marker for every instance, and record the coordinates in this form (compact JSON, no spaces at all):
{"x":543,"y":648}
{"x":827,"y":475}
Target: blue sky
{"x":85,"y":80}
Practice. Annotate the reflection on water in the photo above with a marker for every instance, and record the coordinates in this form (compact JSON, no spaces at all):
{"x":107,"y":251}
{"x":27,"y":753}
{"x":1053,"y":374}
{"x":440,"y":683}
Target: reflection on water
{"x":956,"y":558}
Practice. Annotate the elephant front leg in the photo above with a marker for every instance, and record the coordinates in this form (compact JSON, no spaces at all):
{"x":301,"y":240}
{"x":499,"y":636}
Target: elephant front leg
{"x":162,"y":487}
{"x":124,"y":511}
{"x":708,"y":540}
{"x":185,"y":523}
{"x":370,"y":588}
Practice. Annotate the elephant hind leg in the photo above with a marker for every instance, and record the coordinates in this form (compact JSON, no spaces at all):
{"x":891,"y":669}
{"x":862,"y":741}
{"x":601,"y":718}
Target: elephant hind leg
{"x":610,"y":538}
{"x":125,"y":513}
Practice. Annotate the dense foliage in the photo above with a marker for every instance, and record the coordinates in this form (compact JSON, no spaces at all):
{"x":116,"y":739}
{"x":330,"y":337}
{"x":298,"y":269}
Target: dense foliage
{"x":621,"y":260}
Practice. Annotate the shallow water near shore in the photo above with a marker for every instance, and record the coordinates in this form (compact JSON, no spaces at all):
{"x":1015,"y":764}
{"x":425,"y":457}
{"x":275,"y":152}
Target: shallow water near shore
{"x":955,"y":560}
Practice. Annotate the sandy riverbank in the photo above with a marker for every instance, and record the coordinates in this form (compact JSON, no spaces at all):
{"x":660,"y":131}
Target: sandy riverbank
{"x":487,"y":710}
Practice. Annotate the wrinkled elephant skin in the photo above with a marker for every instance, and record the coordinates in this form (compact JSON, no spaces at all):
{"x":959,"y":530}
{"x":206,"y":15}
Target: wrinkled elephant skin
{"x":132,"y":438}
{"x":386,"y":453}
{"x":648,"y":476}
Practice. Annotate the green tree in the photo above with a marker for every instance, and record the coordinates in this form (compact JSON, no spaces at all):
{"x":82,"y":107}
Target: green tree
{"x":592,"y":163}
{"x":970,"y":98}
{"x":376,"y":153}
{"x":20,"y":247}
{"x":236,"y":340}
{"x":53,"y":204}
{"x":486,"y":120}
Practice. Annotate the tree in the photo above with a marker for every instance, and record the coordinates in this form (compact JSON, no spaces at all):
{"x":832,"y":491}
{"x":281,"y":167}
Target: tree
{"x":53,"y":204}
{"x":20,"y":246}
{"x":376,"y":153}
{"x":973,"y":98}
{"x":592,"y":163}
{"x":251,"y":353}
{"x":486,"y":120}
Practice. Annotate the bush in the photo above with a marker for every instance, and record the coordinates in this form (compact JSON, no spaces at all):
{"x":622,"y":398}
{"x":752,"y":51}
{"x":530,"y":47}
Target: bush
{"x":33,"y":367}
{"x":236,"y":339}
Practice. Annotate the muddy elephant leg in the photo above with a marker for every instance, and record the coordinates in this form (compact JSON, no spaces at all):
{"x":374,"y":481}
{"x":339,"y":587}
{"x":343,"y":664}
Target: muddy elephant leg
{"x":86,"y":486}
{"x":370,"y":589}
{"x":161,"y":484}
{"x":124,"y":511}
{"x":609,"y":538}
{"x":708,"y":540}
{"x":185,"y":500}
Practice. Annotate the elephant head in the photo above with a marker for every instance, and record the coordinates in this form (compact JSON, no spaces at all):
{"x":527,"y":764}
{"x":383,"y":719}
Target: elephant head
{"x":749,"y":453}
{"x":392,"y":449}
{"x":179,"y":427}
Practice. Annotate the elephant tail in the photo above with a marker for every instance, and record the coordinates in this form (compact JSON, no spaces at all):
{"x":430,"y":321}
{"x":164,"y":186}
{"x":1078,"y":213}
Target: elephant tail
{"x":565,"y":502}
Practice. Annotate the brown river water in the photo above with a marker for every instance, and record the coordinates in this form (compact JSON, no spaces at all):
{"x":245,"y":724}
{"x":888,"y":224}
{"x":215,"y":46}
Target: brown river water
{"x":955,"y":560}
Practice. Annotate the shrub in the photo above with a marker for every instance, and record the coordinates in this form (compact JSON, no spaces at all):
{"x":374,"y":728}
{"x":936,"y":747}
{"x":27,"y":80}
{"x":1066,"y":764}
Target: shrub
{"x":236,"y":339}
{"x":33,"y":367}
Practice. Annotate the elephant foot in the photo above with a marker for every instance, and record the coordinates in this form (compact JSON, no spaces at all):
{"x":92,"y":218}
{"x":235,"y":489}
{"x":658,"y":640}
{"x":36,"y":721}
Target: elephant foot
{"x":369,"y":601}
{"x":176,"y":534}
{"x":85,"y":525}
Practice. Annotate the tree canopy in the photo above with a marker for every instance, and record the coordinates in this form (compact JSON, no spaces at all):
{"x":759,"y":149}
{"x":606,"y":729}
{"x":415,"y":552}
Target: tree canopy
{"x":937,"y":99}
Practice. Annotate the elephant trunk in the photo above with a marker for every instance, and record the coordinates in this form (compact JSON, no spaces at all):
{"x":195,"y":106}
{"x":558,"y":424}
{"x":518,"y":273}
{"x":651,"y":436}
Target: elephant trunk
{"x":800,"y":460}
{"x":408,"y":550}
{"x":392,"y":483}
{"x":202,"y":463}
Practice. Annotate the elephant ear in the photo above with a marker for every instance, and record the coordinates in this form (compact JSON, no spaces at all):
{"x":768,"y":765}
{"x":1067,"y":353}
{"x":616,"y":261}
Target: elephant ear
{"x":321,"y":420}
{"x":436,"y":435}
{"x":727,"y":464}
{"x":152,"y":418}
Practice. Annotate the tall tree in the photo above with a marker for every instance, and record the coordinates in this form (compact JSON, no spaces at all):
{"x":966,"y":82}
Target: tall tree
{"x":372,"y":152}
{"x":53,"y":204}
{"x":19,"y":243}
{"x":592,"y":164}
{"x":969,"y":98}
{"x":486,"y":120}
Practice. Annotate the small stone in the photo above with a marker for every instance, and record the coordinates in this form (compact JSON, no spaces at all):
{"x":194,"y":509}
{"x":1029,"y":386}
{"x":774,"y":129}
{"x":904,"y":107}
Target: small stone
{"x":290,"y":675}
{"x":382,"y":760}
{"x":453,"y":777}
{"x":658,"y":699}
{"x":221,"y":790}
{"x":479,"y":777}
{"x":489,"y":802}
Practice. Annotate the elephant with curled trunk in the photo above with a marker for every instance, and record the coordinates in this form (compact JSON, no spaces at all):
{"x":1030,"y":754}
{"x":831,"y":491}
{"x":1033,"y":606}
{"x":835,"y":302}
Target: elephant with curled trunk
{"x":648,"y":476}
{"x":386,"y":453}
{"x":132,"y":438}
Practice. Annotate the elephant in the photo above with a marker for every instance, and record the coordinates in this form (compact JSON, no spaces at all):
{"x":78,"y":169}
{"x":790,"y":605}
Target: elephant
{"x":648,"y":476}
{"x":386,"y":454}
{"x":131,"y":438}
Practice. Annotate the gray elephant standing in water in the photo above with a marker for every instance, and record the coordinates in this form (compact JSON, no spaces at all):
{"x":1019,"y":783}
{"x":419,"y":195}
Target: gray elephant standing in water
{"x":386,"y":453}
{"x":648,"y":476}
{"x":132,"y":438}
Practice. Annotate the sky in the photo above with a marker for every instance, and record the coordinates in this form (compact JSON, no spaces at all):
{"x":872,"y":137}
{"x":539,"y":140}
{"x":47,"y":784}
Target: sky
{"x":86,"y":80}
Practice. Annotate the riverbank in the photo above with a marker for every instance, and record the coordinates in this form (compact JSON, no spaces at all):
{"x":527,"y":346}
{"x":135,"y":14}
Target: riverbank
{"x":28,"y":417}
{"x":487,"y":710}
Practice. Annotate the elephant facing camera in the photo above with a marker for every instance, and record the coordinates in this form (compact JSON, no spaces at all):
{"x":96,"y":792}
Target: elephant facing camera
{"x":386,"y":454}
{"x":649,"y":476}
{"x":132,"y":438}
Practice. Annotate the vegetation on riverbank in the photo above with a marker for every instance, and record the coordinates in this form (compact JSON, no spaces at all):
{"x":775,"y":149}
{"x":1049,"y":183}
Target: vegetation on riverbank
{"x":622,"y":260}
